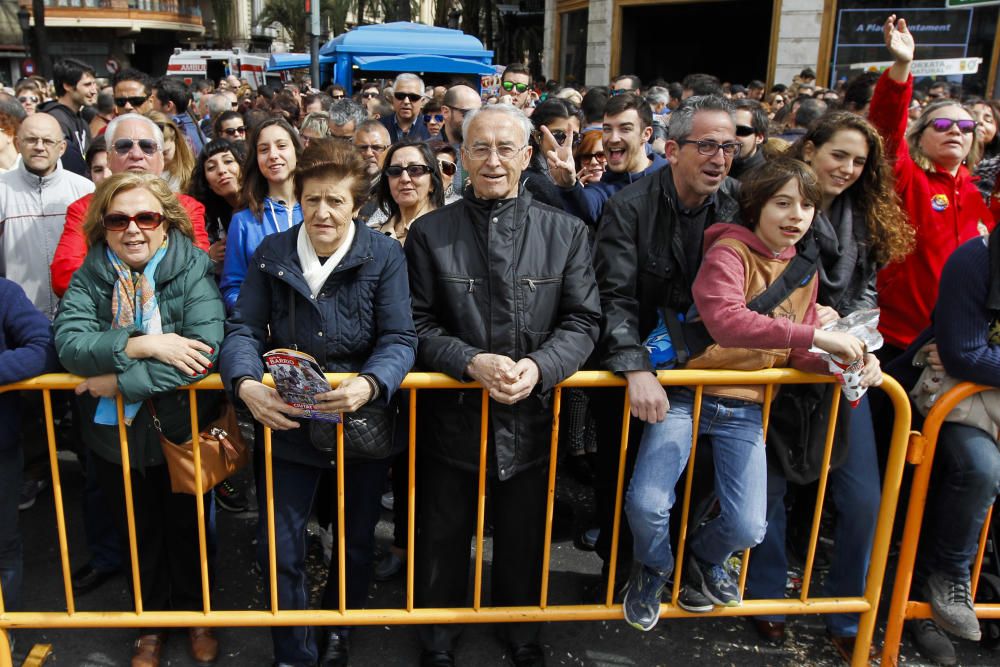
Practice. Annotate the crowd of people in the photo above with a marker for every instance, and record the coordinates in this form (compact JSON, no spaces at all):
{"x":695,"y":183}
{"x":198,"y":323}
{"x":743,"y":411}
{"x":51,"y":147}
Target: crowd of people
{"x":155,"y":232}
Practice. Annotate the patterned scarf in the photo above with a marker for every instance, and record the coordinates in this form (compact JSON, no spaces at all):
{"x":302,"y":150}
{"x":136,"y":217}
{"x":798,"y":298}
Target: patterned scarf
{"x":133,"y":303}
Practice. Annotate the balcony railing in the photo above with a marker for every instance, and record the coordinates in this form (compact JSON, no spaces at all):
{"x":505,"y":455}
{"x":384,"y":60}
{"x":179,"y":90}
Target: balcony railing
{"x":153,"y":6}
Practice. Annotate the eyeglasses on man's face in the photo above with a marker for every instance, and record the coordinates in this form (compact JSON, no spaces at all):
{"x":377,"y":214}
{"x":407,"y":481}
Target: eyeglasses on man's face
{"x":510,"y":85}
{"x":482,"y":152}
{"x":709,"y":148}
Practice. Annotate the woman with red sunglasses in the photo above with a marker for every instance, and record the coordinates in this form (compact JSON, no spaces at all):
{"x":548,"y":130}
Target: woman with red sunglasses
{"x":934,"y":187}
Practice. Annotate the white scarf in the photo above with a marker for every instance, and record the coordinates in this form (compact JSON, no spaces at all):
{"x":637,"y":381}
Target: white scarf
{"x":313,"y":270}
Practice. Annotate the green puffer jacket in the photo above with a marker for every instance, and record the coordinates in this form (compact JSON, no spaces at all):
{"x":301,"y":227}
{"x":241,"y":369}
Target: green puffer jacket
{"x":190,"y":306}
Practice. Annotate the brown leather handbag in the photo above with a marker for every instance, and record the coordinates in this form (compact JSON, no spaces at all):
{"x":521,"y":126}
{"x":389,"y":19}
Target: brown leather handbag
{"x":223,"y":452}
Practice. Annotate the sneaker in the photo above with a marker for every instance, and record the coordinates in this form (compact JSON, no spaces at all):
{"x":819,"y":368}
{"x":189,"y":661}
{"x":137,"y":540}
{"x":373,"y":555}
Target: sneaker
{"x":30,"y":488}
{"x":230,"y":498}
{"x":714,"y":581}
{"x":692,"y":600}
{"x":587,"y":540}
{"x":642,"y":598}
{"x":931,"y":641}
{"x":951,"y":606}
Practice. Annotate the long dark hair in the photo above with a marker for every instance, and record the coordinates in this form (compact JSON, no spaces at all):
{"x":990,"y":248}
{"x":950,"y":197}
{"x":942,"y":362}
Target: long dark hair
{"x":253,"y":188}
{"x":385,"y":200}
{"x":873,"y":194}
{"x":218,"y":212}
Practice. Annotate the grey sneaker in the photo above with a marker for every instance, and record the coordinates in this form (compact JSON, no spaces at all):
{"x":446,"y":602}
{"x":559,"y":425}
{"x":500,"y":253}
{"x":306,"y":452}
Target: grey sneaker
{"x":693,"y":600}
{"x":642,"y":598}
{"x":931,"y":641}
{"x":714,"y":582}
{"x":951,"y":606}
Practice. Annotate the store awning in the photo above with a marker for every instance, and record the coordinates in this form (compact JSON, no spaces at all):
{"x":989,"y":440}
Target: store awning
{"x":279,"y":62}
{"x":415,"y":62}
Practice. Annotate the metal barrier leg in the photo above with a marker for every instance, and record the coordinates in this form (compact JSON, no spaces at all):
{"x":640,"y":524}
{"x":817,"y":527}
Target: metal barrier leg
{"x":6,"y":659}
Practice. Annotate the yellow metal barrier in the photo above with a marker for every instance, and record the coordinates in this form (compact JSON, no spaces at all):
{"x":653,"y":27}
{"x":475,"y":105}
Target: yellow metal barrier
{"x":866,"y":605}
{"x":921,"y":454}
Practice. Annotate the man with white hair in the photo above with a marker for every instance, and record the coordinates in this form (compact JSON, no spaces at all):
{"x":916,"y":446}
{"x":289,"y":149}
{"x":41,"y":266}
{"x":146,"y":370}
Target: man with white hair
{"x":503,"y":293}
{"x":407,"y":100}
{"x":135,"y":144}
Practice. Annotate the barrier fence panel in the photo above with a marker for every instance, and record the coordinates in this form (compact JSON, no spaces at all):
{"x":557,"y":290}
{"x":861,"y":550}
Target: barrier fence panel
{"x":921,"y":450}
{"x":415,"y":383}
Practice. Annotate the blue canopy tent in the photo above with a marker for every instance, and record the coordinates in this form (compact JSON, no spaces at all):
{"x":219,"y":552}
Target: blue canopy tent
{"x":279,"y":62}
{"x":403,"y":47}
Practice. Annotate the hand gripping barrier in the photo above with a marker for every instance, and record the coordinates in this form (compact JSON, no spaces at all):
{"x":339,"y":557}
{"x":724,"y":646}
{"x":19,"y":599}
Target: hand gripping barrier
{"x":922,"y":447}
{"x":866,"y":605}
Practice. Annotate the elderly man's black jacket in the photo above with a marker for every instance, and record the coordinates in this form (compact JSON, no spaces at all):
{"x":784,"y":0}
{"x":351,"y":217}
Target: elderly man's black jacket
{"x":511,"y":277}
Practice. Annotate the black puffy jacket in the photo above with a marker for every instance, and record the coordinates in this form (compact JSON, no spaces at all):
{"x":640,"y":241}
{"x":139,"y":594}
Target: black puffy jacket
{"x":511,"y":277}
{"x":641,"y":265}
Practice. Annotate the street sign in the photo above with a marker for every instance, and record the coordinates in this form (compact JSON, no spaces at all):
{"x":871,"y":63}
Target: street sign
{"x":961,"y":4}
{"x":937,"y":67}
{"x":27,"y":67}
{"x":112,"y":65}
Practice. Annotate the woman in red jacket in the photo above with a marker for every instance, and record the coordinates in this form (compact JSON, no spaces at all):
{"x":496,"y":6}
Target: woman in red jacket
{"x":935,"y":189}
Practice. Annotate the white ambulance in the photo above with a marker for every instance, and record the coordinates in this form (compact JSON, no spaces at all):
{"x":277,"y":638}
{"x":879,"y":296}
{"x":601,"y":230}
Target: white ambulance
{"x":216,"y":65}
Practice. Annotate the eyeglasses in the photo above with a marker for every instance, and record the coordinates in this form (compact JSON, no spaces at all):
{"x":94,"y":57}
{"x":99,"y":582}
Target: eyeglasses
{"x":709,"y":148}
{"x":620,"y":91}
{"x":338,"y":97}
{"x":504,"y":152}
{"x":413,"y":170}
{"x":124,"y":146}
{"x":944,"y":124}
{"x":374,"y":148}
{"x":369,"y":96}
{"x":458,"y":109}
{"x":233,"y":131}
{"x":413,"y":97}
{"x":135,"y":102}
{"x":586,"y":157}
{"x":25,"y":99}
{"x":116,"y":222}
{"x":744,"y":131}
{"x":510,"y":85}
{"x":45,"y":141}
{"x":437,"y":118}
{"x":448,"y":168}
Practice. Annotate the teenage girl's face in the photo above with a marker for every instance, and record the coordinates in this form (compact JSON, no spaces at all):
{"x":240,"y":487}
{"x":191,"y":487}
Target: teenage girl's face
{"x":275,"y":154}
{"x":99,"y":167}
{"x":785,"y":218}
{"x":987,"y":128}
{"x":839,"y":162}
{"x":222,"y":172}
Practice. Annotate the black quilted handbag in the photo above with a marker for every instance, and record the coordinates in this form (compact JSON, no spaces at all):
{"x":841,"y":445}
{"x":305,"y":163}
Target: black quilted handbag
{"x":368,"y":433}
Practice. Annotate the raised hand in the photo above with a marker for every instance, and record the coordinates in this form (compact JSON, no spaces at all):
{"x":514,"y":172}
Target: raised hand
{"x":562,"y":169}
{"x":898,"y":39}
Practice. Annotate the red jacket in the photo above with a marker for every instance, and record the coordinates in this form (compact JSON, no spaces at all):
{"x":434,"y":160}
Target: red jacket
{"x":72,"y":246}
{"x":945,"y":210}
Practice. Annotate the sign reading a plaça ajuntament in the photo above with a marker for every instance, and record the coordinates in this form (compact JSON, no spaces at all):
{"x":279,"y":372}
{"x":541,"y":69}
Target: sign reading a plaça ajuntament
{"x":959,"y":4}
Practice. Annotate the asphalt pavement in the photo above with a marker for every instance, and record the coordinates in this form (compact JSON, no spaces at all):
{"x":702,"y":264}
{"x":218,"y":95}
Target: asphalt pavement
{"x":708,"y":641}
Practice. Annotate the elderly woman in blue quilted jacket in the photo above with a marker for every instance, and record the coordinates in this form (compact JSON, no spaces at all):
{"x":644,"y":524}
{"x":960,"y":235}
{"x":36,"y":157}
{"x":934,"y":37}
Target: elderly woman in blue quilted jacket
{"x":337,"y":290}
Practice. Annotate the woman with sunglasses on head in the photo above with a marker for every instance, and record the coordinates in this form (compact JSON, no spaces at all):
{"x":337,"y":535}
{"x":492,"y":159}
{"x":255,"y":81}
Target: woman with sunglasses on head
{"x":858,"y":228}
{"x":178,"y":160}
{"x":143,"y":277}
{"x":590,"y":157}
{"x":563,"y":122}
{"x":267,"y":193}
{"x":216,"y":184}
{"x":934,"y":186}
{"x":229,"y":125}
{"x":315,"y":125}
{"x":447,"y":157}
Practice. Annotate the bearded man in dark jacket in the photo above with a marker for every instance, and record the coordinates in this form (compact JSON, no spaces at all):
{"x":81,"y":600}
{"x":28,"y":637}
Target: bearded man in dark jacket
{"x":503,"y":293}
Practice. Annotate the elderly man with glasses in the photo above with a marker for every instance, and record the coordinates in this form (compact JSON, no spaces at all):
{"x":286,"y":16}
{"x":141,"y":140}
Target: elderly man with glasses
{"x":503,"y":293}
{"x":135,"y":144}
{"x":407,"y":100}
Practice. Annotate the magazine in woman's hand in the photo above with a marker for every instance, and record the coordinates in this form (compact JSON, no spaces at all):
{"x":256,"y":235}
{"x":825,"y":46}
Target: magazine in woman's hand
{"x":298,"y":378}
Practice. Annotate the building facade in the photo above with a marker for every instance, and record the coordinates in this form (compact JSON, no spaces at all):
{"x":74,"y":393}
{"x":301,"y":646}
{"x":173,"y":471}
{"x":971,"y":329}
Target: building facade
{"x":772,"y":40}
